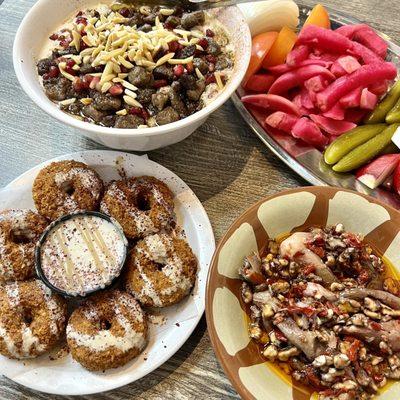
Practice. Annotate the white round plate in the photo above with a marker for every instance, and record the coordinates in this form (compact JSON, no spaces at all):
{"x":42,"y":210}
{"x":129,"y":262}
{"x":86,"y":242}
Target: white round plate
{"x":64,"y":376}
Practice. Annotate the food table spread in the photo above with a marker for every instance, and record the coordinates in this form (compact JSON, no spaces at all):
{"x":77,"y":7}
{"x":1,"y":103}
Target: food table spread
{"x":226,"y":166}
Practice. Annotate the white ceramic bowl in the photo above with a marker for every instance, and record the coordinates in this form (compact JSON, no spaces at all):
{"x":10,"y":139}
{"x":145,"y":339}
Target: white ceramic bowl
{"x":47,"y":15}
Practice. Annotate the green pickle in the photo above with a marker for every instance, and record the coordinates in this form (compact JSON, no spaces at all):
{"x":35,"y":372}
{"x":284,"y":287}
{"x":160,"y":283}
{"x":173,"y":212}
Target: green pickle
{"x":350,"y":140}
{"x":366,"y":151}
{"x":394,"y":114}
{"x":382,"y":109}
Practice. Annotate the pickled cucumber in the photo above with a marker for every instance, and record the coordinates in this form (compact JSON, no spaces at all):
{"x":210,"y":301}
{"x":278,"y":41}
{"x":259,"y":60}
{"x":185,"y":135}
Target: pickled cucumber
{"x":366,"y":151}
{"x":350,"y":140}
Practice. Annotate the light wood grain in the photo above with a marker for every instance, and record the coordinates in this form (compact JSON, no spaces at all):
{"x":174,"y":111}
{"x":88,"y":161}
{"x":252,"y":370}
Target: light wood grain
{"x":227,"y":167}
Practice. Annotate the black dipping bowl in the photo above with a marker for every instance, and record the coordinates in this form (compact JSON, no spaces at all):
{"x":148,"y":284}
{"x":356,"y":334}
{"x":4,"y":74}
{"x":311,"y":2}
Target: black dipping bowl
{"x":38,"y":261}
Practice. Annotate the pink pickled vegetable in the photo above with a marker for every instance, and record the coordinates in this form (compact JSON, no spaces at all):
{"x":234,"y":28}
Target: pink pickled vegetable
{"x":352,"y":99}
{"x":327,"y":57}
{"x":297,"y":77}
{"x":368,"y":100}
{"x":364,"y":76}
{"x":297,"y":101}
{"x":337,"y":69}
{"x":365,"y":35}
{"x":316,"y":84}
{"x":349,"y":64}
{"x":379,"y":88}
{"x":307,"y":99}
{"x":337,"y":112}
{"x":283,"y":68}
{"x":376,"y":172}
{"x":332,"y":126}
{"x":272,"y":102}
{"x":369,"y":38}
{"x":282,"y":121}
{"x":350,"y":30}
{"x":355,"y":115}
{"x":368,"y":56}
{"x":309,"y":132}
{"x":260,"y":83}
{"x":297,"y":55}
{"x":324,"y":39}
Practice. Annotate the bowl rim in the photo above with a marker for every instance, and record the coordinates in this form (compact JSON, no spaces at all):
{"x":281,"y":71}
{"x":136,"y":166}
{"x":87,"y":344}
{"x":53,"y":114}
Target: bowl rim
{"x":215,"y":342}
{"x":51,"y":108}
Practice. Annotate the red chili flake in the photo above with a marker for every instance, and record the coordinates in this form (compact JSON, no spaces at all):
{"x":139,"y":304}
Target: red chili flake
{"x":352,"y":352}
{"x":308,"y":269}
{"x":364,"y":276}
{"x":203,"y":43}
{"x":319,"y":251}
{"x":323,"y":313}
{"x":160,"y":83}
{"x":377,"y":377}
{"x":116,"y":89}
{"x":54,"y":36}
{"x":179,"y":70}
{"x":376,"y":326}
{"x":210,"y":58}
{"x":81,"y":20}
{"x":210,"y":33}
{"x":189,"y":67}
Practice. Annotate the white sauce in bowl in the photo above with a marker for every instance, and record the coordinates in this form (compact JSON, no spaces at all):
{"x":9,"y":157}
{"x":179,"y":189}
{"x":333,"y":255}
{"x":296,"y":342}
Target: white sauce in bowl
{"x":82,"y":254}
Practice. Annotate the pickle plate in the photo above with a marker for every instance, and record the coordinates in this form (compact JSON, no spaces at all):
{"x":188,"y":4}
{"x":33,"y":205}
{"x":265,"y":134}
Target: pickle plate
{"x":304,"y":159}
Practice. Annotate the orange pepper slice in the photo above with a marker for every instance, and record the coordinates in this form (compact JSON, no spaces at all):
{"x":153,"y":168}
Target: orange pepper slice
{"x":261,"y":45}
{"x":281,"y":48}
{"x":319,"y":17}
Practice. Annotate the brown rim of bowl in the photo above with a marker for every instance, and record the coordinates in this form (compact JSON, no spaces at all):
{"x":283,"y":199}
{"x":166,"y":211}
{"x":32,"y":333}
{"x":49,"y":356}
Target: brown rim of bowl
{"x":330,"y":191}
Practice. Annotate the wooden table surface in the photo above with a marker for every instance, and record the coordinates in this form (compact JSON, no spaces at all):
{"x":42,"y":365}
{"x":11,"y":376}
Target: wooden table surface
{"x":223,"y":162}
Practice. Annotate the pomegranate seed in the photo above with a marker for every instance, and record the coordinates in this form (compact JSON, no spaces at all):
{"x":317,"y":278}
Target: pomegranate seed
{"x":53,"y":72}
{"x":46,"y":76}
{"x":189,"y":67}
{"x":125,"y":12}
{"x":179,"y":70}
{"x":54,"y":36}
{"x":174,"y":46}
{"x":65,"y":42}
{"x":70,"y":63}
{"x":81,"y":20}
{"x":95,"y":81}
{"x":116,"y":89}
{"x":87,"y":79}
{"x":168,"y":26}
{"x":211,"y":58}
{"x":83,"y":45}
{"x":210,"y":78}
{"x":209,"y":33}
{"x":78,"y":84}
{"x":160,"y":83}
{"x":203,"y":43}
{"x":135,"y":111}
{"x":145,"y":114}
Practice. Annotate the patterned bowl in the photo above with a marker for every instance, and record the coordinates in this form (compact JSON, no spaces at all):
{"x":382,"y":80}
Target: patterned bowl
{"x":282,"y":213}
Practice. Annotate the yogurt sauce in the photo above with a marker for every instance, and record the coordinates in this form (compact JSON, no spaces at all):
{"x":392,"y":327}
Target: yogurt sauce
{"x":82,"y":254}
